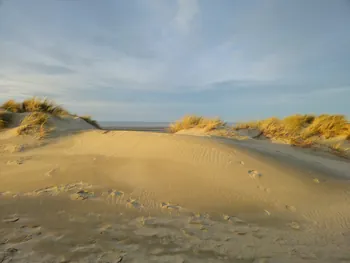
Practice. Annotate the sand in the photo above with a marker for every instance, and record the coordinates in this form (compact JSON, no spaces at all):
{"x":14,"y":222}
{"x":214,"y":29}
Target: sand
{"x":123,"y":196}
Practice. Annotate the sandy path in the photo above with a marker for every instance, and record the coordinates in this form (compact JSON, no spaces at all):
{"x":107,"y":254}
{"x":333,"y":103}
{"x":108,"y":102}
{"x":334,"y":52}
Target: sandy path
{"x":287,"y":215}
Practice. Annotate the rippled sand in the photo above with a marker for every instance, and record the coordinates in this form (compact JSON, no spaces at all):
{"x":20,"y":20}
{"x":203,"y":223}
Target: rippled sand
{"x":144,"y":197}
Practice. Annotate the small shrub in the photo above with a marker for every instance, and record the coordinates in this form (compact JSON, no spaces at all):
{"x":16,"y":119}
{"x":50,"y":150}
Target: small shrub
{"x":89,"y":120}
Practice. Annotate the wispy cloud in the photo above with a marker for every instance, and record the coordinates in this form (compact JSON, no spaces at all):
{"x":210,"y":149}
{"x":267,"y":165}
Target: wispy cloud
{"x":186,"y":12}
{"x":197,"y":56}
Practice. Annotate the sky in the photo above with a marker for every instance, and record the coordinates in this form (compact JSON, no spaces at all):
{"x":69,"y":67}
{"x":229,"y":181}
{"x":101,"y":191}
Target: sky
{"x":157,"y":60}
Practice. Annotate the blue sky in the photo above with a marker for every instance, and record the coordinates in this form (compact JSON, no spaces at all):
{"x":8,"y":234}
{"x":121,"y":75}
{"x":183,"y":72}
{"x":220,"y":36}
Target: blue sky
{"x":156,"y":60}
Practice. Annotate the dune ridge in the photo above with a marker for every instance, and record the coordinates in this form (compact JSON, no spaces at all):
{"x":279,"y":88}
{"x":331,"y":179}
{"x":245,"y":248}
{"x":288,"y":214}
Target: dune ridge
{"x":82,"y":194}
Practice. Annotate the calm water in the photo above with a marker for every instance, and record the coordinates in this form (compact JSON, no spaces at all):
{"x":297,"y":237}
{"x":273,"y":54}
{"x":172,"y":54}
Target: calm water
{"x":131,"y":124}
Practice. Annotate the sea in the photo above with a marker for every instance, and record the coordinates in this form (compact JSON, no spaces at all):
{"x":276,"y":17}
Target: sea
{"x":137,"y":125}
{"x":132,"y":124}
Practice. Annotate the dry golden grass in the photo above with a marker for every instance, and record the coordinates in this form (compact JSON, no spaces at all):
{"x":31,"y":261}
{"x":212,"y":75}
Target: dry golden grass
{"x":301,"y":126}
{"x":34,"y":124}
{"x":12,"y":105}
{"x":41,"y":105}
{"x":246,"y":125}
{"x":193,"y":121}
{"x":295,"y":123}
{"x":304,"y":131}
{"x":35,"y":118}
{"x":327,"y":126}
{"x":35,"y":105}
{"x":45,"y":105}
{"x":89,"y":120}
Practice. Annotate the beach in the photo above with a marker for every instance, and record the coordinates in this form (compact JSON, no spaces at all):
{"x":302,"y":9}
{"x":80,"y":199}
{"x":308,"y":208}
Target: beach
{"x":131,"y":196}
{"x":179,"y":131}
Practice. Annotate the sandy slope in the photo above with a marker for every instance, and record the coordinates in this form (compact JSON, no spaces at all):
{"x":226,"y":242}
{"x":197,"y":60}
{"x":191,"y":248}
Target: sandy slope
{"x":169,"y":198}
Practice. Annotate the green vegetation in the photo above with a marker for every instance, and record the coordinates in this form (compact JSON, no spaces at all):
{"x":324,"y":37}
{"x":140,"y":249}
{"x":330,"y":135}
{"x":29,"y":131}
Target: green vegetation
{"x":193,"y":121}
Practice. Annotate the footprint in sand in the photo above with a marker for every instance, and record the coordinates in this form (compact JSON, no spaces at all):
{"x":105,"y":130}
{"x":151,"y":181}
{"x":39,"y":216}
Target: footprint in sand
{"x":15,"y":162}
{"x":242,"y":231}
{"x":294,"y":225}
{"x":7,"y":193}
{"x":51,"y":172}
{"x":254,"y":174}
{"x":291,"y":208}
{"x":195,"y":220}
{"x":51,"y":190}
{"x":82,"y":195}
{"x":7,"y":255}
{"x":116,"y":193}
{"x":262,"y":188}
{"x":55,"y":190}
{"x":32,"y":229}
{"x":133,"y":203}
{"x":170,"y":206}
{"x":10,"y":219}
{"x":200,"y":221}
{"x":233,"y":219}
{"x":226,"y":217}
{"x":267,"y":212}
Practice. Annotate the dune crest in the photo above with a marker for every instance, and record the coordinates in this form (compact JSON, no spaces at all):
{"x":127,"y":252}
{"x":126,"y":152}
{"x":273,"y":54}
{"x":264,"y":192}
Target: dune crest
{"x":192,"y":192}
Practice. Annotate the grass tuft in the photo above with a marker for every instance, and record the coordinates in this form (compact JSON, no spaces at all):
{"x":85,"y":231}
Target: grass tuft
{"x":304,"y":126}
{"x":327,"y":126}
{"x":193,"y":121}
{"x":43,"y":105}
{"x":35,"y":105}
{"x":12,"y":106}
{"x":34,"y":123}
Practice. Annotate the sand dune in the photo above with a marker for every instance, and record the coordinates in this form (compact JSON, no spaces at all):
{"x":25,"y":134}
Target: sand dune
{"x":122,"y":196}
